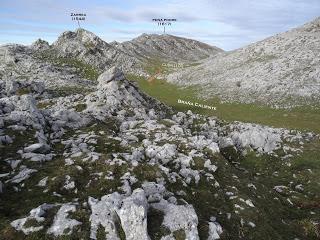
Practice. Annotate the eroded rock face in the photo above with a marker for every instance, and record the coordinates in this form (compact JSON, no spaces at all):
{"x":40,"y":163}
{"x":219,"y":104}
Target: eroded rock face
{"x":12,"y":87}
{"x":130,"y":213}
{"x":169,"y":47}
{"x":104,"y":214}
{"x":22,"y":111}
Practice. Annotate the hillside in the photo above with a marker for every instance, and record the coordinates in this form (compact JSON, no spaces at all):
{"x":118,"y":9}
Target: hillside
{"x":167,"y":48}
{"x":90,"y":49}
{"x":280,"y":71}
{"x":131,"y":56}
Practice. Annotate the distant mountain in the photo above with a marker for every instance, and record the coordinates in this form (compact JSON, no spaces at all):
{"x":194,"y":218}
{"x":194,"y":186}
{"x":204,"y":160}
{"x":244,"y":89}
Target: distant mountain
{"x":89,"y":48}
{"x":78,"y":56}
{"x":129,"y":56}
{"x":167,"y":47}
{"x":283,"y":70}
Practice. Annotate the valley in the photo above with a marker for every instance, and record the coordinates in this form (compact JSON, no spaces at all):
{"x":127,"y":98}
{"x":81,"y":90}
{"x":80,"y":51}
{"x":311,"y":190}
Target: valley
{"x":90,"y":149}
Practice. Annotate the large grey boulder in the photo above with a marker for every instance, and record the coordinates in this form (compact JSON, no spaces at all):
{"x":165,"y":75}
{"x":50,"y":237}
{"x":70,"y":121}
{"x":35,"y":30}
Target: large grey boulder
{"x":37,"y":148}
{"x":103,"y":213}
{"x":131,"y":211}
{"x":257,"y":137}
{"x":62,"y":224}
{"x":179,"y":217}
{"x":133,"y":216}
{"x":113,"y":74}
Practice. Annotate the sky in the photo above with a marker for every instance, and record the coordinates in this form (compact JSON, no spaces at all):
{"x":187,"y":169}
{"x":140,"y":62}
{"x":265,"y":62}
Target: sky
{"x":228,"y":24}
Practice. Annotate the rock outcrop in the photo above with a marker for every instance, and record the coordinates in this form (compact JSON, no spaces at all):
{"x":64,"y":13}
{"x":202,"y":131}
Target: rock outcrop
{"x":89,"y":48}
{"x":116,"y":93}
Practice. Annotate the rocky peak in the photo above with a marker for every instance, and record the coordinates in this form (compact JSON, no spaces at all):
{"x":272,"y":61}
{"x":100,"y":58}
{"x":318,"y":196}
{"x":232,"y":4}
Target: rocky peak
{"x":169,"y":47}
{"x":92,"y":50}
{"x":40,"y":45}
{"x":88,"y":37}
{"x":81,"y":37}
{"x":313,"y":26}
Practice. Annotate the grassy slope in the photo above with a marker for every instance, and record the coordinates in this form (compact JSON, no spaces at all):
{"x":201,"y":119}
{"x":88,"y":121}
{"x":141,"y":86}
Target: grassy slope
{"x":304,"y":118}
{"x":304,"y":168}
{"x":83,"y":69}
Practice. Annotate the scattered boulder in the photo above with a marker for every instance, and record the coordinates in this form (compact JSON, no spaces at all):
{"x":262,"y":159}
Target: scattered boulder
{"x":133,"y":216}
{"x":4,"y":140}
{"x":62,"y":225}
{"x":179,"y":217}
{"x":36,"y":214}
{"x":260,"y":138}
{"x":22,"y":175}
{"x":37,"y":148}
{"x":215,"y":230}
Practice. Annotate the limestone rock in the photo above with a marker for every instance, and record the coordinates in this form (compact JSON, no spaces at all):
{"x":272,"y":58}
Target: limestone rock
{"x":37,"y":148}
{"x":133,"y":216}
{"x":36,"y":214}
{"x":61,"y":222}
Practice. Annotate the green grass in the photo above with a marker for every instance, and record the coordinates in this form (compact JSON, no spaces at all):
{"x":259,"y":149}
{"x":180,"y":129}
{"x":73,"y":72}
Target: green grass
{"x":14,"y":205}
{"x":65,"y":91}
{"x":80,"y":107}
{"x":274,"y":219}
{"x":153,"y":66}
{"x":157,"y":65}
{"x":300,"y":118}
{"x":85,"y":70}
{"x":22,"y":91}
{"x":44,"y":105}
